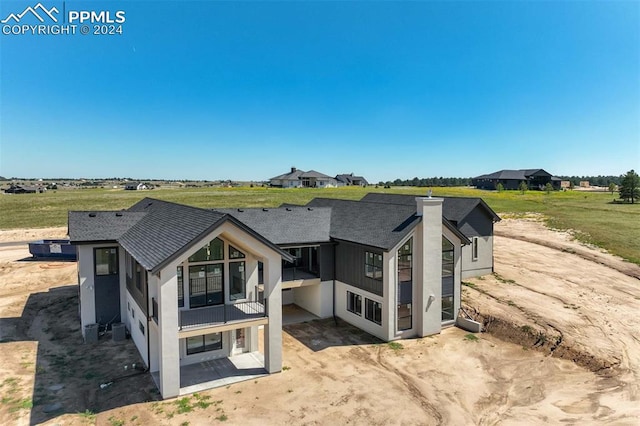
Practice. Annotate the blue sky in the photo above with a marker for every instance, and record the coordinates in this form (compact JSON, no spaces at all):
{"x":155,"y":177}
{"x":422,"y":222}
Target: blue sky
{"x":245,"y":90}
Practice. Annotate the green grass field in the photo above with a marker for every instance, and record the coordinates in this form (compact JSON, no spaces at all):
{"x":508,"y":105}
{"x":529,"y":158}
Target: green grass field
{"x":615,"y":227}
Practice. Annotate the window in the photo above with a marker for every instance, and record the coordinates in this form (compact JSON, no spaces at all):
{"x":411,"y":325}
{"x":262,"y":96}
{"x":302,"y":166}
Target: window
{"x":180,"y":287}
{"x":474,"y":248}
{"x":238,"y":283}
{"x":373,"y":265}
{"x":373,"y":311}
{"x":214,"y":250}
{"x":234,"y":253}
{"x":138,"y":276}
{"x":447,"y":280}
{"x":206,"y":285}
{"x":405,"y":285}
{"x":141,"y":326}
{"x":205,"y":343}
{"x":354,"y":303}
{"x":106,"y":261}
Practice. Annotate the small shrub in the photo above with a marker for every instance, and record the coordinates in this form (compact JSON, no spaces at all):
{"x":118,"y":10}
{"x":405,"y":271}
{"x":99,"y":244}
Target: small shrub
{"x":471,"y":337}
{"x":396,"y":346}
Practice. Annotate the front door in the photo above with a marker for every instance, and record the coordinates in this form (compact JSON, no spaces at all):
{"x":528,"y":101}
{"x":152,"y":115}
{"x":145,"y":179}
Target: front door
{"x":239,"y":341}
{"x":107,"y":286}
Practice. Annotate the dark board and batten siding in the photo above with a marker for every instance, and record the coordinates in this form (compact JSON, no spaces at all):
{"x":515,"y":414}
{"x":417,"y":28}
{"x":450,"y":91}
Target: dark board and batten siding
{"x":350,"y":267}
{"x":477,"y":223}
{"x":326,"y":262}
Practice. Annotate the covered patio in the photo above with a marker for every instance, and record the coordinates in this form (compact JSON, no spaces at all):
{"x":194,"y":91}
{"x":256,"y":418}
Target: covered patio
{"x":218,"y":372}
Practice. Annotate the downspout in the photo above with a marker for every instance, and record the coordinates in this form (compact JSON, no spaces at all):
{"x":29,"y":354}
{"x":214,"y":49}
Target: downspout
{"x":146,"y":279}
{"x":335,"y":319}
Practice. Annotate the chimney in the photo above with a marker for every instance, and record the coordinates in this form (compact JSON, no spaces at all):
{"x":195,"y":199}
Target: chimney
{"x":424,"y":203}
{"x":293,"y":169}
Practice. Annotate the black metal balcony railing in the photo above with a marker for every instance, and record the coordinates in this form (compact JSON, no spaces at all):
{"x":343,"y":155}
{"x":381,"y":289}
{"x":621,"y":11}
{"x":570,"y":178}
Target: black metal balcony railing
{"x":221,"y":314}
{"x":298,"y":273}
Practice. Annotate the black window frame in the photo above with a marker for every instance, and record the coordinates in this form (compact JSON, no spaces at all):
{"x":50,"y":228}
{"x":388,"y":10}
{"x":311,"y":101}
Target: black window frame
{"x":204,"y":347}
{"x":354,"y":301}
{"x":373,"y":265}
{"x":373,"y":310}
{"x":112,"y":266}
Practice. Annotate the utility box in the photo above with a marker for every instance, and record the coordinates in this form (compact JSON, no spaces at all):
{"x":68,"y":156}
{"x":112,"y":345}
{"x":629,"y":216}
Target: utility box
{"x":118,"y":332}
{"x":91,"y":333}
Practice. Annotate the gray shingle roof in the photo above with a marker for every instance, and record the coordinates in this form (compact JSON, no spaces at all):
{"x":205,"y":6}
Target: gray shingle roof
{"x":92,"y":226}
{"x":315,"y":174}
{"x":155,"y":232}
{"x":372,"y":224}
{"x":453,"y":208}
{"x":521,"y":174}
{"x":287,"y":225}
{"x":295,"y":175}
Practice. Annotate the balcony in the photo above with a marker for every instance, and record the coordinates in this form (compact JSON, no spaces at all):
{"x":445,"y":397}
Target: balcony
{"x":209,"y":316}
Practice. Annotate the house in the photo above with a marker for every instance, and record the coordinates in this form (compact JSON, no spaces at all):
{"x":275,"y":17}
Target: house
{"x":471,"y":216}
{"x":350,"y":179}
{"x":135,"y":186}
{"x":193,"y":285}
{"x":511,"y":179}
{"x":22,"y":189}
{"x":287,"y":180}
{"x":301,"y":179}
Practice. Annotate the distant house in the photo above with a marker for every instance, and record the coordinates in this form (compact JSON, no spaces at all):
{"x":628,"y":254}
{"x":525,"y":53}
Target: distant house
{"x":351,"y":180}
{"x":135,"y":186}
{"x":511,"y":179}
{"x":301,"y":179}
{"x":20,"y":189}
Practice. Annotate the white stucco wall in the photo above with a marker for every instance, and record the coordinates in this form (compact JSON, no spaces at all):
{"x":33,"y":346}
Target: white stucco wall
{"x":317,"y":299}
{"x":134,"y":316}
{"x":483,"y":265}
{"x":360,"y":321}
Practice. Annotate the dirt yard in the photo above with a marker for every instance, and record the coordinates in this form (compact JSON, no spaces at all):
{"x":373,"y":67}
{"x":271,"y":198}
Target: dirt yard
{"x":561,"y":347}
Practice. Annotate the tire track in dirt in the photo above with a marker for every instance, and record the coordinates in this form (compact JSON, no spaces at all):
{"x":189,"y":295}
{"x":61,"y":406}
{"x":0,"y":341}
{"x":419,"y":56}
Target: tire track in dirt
{"x":619,"y":265}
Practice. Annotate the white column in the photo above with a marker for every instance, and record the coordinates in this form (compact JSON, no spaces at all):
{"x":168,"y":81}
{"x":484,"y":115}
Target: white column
{"x":168,"y":343}
{"x":430,"y":271}
{"x":273,"y":298}
{"x":86,"y":283}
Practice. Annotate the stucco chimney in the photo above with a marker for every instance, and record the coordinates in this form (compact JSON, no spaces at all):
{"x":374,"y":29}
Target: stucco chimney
{"x":423,"y":203}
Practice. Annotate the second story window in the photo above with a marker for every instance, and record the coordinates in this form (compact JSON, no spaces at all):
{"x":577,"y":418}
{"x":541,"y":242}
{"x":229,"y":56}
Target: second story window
{"x":373,"y":265}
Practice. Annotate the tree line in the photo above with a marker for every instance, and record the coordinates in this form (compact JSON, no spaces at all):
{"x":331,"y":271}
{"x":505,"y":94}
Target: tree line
{"x":434,"y":181}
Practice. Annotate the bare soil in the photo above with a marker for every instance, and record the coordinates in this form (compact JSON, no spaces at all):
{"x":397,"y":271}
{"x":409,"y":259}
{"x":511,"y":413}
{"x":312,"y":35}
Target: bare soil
{"x":561,"y":347}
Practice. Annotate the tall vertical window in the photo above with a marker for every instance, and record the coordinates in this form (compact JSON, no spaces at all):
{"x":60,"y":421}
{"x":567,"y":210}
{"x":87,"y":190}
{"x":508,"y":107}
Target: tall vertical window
{"x":405,"y":285}
{"x":354,"y":303}
{"x":474,"y":248}
{"x":447,"y":280}
{"x":180,"y":287}
{"x":373,"y":265}
{"x":106,"y":261}
{"x":238,"y":282}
